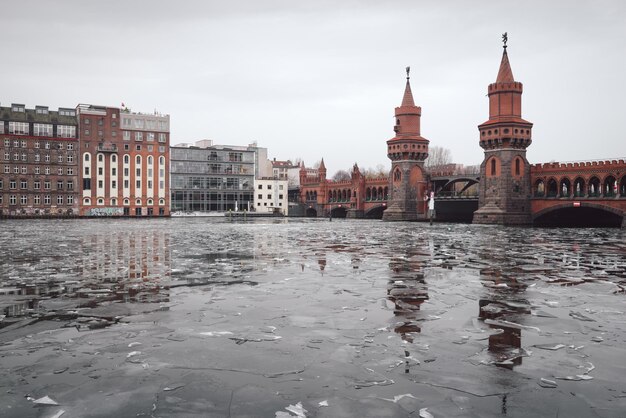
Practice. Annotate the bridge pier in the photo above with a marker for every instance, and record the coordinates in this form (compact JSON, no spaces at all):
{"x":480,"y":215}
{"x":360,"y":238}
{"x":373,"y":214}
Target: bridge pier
{"x":355,"y":214}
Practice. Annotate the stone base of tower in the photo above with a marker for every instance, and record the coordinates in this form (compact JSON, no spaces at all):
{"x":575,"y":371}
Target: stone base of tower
{"x":392,"y":214}
{"x":355,"y":214}
{"x":491,"y":214}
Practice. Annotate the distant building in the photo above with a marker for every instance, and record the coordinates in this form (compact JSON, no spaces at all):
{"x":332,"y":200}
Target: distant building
{"x":271,"y":195}
{"x":207,"y":177}
{"x":38,"y":161}
{"x":124,"y":162}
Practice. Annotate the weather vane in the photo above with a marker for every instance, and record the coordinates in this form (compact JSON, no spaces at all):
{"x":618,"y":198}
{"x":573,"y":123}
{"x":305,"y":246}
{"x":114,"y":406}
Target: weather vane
{"x":505,"y":38}
{"x":408,"y":69}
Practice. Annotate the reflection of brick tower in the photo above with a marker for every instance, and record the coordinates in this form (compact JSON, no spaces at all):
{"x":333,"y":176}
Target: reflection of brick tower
{"x":505,"y":173}
{"x":407,"y":152}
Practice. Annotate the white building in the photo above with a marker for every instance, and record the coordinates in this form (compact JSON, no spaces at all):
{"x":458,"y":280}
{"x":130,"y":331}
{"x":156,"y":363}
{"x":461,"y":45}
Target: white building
{"x":270,"y":195}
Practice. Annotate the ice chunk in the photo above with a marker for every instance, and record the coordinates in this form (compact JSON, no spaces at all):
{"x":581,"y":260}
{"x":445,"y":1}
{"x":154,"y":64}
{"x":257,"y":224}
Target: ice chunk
{"x":597,"y":339}
{"x":216,"y":333}
{"x":398,"y":397}
{"x":425,"y":414}
{"x":323,"y":403}
{"x":545,"y":383}
{"x":132,"y":354}
{"x":297,"y":409}
{"x":549,"y":346}
{"x":46,"y":400}
{"x":580,"y":317}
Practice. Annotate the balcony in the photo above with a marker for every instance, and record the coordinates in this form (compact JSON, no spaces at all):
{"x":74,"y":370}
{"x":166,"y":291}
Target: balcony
{"x":107,"y":147}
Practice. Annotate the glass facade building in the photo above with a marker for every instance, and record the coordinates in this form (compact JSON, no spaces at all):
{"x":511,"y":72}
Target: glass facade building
{"x":216,"y":178}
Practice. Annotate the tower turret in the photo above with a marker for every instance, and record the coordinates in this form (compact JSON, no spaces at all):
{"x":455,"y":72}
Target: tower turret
{"x":505,"y":173}
{"x":407,"y":151}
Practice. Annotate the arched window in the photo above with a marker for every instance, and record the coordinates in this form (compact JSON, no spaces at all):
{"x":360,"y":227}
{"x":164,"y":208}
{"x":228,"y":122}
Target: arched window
{"x":86,"y":157}
{"x":579,"y":187}
{"x":150,"y":159}
{"x":150,"y":202}
{"x":594,"y":187}
{"x":517,"y":167}
{"x":161,"y":202}
{"x":137,"y":201}
{"x":113,"y":158}
{"x":492,"y":166}
{"x":397,"y":175}
{"x":87,"y":201}
{"x":162,"y":160}
{"x":565,"y":188}
{"x":138,"y":160}
{"x":610,"y":186}
{"x":552,"y":188}
{"x":539,"y":188}
{"x":113,"y":201}
{"x":126,"y":202}
{"x":126,"y":159}
{"x":380,"y":193}
{"x":368,"y":194}
{"x":386,"y":194}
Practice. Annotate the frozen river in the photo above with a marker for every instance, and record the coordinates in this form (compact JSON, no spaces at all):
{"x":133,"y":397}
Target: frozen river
{"x":194,"y":317}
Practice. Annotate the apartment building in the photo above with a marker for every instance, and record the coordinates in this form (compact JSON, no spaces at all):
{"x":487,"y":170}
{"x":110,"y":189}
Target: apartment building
{"x":271,"y":195}
{"x":39,"y":163}
{"x":124,"y":162}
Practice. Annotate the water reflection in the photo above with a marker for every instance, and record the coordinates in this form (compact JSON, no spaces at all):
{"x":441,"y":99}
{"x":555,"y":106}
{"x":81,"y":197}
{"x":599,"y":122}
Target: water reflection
{"x":407,"y":290}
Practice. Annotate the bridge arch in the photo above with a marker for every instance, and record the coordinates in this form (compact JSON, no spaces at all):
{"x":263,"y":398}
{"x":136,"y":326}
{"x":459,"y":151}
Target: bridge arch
{"x":586,"y":214}
{"x":565,"y":187}
{"x":579,"y":187}
{"x":594,"y":187}
{"x":540,"y":188}
{"x":339,"y":212}
{"x":609,"y":188}
{"x":553,"y":188}
{"x":622,"y":186}
{"x":311,"y":213}
{"x":375,"y":212}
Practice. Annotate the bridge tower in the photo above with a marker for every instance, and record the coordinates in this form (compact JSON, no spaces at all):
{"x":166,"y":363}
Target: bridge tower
{"x":407,"y":152}
{"x":505,"y":188}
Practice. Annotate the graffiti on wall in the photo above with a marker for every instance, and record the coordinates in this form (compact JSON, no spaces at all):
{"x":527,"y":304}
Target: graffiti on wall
{"x":106,"y":212}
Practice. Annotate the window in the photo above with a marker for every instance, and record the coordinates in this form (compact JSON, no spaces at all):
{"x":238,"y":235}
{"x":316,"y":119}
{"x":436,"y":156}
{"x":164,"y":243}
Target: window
{"x":100,"y":158}
{"x":87,"y":132}
{"x":280,"y":196}
{"x":260,"y":187}
{"x":138,"y":136}
{"x":70,"y":200}
{"x":126,"y":147}
{"x":114,"y":171}
{"x":138,"y":159}
{"x":86,"y":184}
{"x":23,"y":144}
{"x":100,"y":122}
{"x":1,"y":184}
{"x":87,"y":121}
{"x":46,"y":158}
{"x":16,"y":169}
{"x":126,"y":184}
{"x":16,"y":143}
{"x":100,"y":184}
{"x":59,"y":199}
{"x":269,"y":187}
{"x":150,"y":148}
{"x":37,"y":199}
{"x":46,"y":145}
{"x":138,"y":172}
{"x":149,"y":184}
{"x":150,"y":136}
{"x":126,"y":172}
{"x":23,"y":199}
{"x":7,"y":156}
{"x":24,"y":156}
{"x":7,"y":169}
{"x":36,"y":144}
{"x":24,"y":169}
{"x":59,"y":158}
{"x":269,"y":196}
{"x":16,"y":156}
{"x":42,"y":129}
{"x":23,"y":184}
{"x":114,"y":184}
{"x":60,"y":171}
{"x":70,"y":171}
{"x":493,"y":166}
{"x":162,"y":137}
{"x":138,"y":123}
{"x":59,"y":184}
{"x":161,"y":149}
{"x":7,"y":142}
{"x":13,"y":200}
{"x":67,"y":112}
{"x":260,"y":196}
{"x":37,"y":185}
{"x":70,"y":158}
{"x":46,"y":199}
{"x":41,"y":110}
{"x":18,"y":128}
{"x":70,"y":185}
{"x":126,"y":135}
{"x":37,"y":158}
{"x":66,"y":131}
{"x":100,"y":171}
{"x":12,"y":184}
{"x":138,"y":147}
{"x":70,"y":147}
{"x":280,"y":187}
{"x":46,"y":170}
{"x":37,"y":170}
{"x":46,"y":185}
{"x":138,"y":184}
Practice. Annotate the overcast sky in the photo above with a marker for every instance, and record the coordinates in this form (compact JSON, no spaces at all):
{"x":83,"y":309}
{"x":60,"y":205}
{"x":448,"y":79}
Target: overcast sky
{"x":313,"y":79}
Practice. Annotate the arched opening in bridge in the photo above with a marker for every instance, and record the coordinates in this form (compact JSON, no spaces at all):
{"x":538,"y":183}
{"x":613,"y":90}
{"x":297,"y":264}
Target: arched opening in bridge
{"x":339,"y":212}
{"x":386,"y":193}
{"x":368,"y":194}
{"x":375,"y":213}
{"x":622,"y":187}
{"x":579,"y":217}
{"x":374,"y":193}
{"x":565,"y":188}
{"x":579,"y":187}
{"x":311,"y":213}
{"x":594,"y":187}
{"x":610,"y":186}
{"x":552,"y":188}
{"x":539,"y":188}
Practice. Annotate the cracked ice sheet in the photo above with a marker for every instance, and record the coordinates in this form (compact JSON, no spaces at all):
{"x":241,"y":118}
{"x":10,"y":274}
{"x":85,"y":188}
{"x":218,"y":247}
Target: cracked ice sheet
{"x":324,"y":348}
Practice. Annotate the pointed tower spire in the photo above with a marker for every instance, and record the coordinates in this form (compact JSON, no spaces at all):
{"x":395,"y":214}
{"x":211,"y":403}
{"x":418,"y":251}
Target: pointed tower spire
{"x":505,"y":75}
{"x":407,"y":99}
